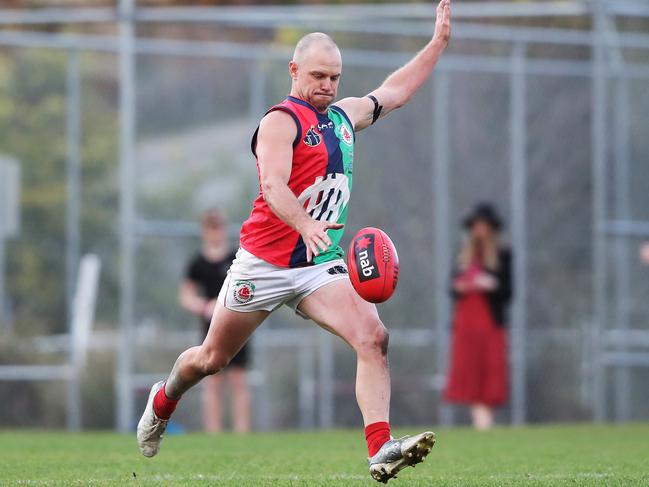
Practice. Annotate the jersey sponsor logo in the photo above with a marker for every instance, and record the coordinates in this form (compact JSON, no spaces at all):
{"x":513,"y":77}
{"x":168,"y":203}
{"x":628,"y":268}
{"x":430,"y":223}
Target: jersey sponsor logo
{"x":244,"y":291}
{"x":324,"y":126}
{"x":346,"y":135}
{"x":312,"y":138}
{"x":365,"y":258}
{"x":325,"y":198}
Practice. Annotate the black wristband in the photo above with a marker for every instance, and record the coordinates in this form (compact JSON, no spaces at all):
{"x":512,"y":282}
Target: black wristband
{"x":377,"y":108}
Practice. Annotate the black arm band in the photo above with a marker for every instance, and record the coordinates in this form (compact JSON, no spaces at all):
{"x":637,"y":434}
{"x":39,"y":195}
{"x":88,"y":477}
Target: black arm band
{"x":377,"y":108}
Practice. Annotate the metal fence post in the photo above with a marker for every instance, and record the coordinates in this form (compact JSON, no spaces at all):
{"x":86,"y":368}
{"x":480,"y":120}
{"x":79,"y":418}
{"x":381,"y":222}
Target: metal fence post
{"x":306,"y":385}
{"x":598,"y":149}
{"x":441,"y":227}
{"x":518,"y":143}
{"x":326,"y":379}
{"x":125,"y":398}
{"x":9,"y":223}
{"x":621,"y":247}
{"x":73,"y":234}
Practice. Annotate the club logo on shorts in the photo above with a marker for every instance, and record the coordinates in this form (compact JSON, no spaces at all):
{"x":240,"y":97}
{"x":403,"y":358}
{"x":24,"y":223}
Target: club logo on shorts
{"x":244,"y":291}
{"x":312,"y":138}
{"x":337,"y":269}
{"x":346,"y":135}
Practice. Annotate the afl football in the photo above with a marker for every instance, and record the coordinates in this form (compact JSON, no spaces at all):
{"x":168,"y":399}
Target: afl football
{"x":373,"y":265}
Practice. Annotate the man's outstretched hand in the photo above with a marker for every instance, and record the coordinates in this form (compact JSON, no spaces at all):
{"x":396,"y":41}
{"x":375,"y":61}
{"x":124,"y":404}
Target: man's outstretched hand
{"x":443,"y":23}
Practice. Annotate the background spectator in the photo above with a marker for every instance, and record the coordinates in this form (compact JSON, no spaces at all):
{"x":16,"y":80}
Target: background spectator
{"x":481,"y":288}
{"x":198,"y":292}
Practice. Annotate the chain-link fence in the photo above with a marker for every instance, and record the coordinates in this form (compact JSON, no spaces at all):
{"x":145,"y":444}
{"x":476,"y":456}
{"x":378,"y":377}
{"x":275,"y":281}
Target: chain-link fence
{"x":548,"y":124}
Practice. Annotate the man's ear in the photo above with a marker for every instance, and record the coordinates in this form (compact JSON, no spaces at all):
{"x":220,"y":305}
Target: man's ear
{"x":292,"y":69}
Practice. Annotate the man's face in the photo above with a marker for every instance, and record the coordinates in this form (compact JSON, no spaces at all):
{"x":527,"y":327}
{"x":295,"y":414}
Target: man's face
{"x":316,"y":76}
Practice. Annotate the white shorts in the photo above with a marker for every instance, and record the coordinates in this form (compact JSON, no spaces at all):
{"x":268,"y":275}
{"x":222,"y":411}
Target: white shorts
{"x":252,"y":284}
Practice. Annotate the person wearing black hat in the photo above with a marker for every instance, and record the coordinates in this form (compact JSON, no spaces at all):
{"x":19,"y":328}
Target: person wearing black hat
{"x":481,"y":289}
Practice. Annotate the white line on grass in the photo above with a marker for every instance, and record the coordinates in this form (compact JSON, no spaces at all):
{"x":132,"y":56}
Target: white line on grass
{"x":243,"y":477}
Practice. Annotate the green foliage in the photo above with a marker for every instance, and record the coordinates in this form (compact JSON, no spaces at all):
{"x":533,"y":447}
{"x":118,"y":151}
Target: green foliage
{"x":550,"y":456}
{"x":33,"y":131}
{"x":32,"y":102}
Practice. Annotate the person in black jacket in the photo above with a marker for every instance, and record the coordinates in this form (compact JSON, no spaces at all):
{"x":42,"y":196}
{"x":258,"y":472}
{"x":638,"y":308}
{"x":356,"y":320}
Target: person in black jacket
{"x":481,"y":289}
{"x":204,"y":277}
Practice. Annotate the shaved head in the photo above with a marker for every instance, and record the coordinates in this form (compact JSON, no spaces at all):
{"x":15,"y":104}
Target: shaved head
{"x":315,"y":70}
{"x":308,"y":44}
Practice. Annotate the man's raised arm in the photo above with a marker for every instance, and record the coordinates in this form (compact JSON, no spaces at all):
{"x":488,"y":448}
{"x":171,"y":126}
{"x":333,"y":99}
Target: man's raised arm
{"x":402,"y":84}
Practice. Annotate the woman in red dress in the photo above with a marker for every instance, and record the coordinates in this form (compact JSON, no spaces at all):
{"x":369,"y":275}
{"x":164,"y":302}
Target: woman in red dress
{"x":481,"y":288}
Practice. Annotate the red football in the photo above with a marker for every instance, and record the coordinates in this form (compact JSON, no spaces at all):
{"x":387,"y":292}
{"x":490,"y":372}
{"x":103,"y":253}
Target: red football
{"x":373,"y":265}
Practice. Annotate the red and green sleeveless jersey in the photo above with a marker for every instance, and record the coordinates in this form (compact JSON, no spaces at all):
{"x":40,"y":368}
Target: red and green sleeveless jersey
{"x":321,"y":180}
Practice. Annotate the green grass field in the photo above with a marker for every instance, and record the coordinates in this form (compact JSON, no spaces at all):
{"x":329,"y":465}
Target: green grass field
{"x":535,"y":456}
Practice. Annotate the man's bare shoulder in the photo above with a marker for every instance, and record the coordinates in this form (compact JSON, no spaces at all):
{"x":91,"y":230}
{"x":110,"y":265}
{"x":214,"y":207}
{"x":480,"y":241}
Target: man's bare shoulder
{"x":277,"y":125}
{"x":276,"y":117}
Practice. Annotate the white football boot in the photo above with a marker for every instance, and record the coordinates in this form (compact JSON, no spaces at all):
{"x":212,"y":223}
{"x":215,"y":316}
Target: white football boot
{"x":398,"y":454}
{"x":150,"y":428}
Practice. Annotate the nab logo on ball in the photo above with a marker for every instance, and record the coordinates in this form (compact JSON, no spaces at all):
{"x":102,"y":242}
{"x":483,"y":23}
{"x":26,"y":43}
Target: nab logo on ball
{"x":365,"y":258}
{"x":373,"y":265}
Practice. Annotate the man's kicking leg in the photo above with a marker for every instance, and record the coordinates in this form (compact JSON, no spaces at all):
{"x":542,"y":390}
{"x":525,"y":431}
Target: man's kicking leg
{"x":357,"y":322}
{"x":228,"y":332}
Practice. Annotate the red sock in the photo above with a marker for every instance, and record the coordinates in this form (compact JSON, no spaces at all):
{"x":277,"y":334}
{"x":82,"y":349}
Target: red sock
{"x":162,"y":405}
{"x":376,"y":435}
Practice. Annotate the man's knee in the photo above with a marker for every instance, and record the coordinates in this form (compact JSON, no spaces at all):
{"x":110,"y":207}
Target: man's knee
{"x":213,"y":361}
{"x":374,"y":341}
